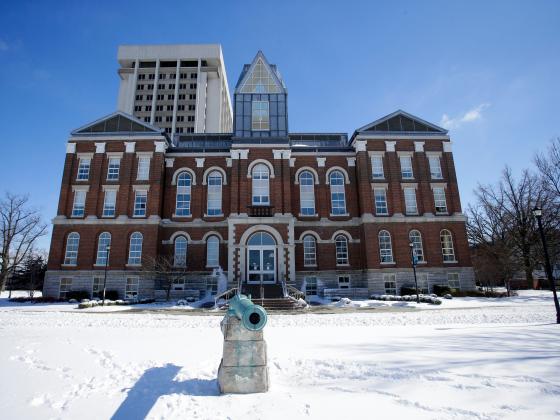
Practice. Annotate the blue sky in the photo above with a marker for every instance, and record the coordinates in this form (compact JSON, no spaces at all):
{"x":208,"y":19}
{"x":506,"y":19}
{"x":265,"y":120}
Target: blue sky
{"x":489,"y":71}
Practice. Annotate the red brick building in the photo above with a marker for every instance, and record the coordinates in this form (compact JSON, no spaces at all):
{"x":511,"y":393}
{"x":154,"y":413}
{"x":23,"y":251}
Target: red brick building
{"x":324,"y":213}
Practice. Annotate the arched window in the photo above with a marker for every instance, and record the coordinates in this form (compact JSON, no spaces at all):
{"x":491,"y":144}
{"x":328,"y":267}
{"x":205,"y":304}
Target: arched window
{"x":341,"y":250}
{"x":261,"y":188}
{"x":307,"y":193}
{"x":213,"y":251}
{"x":183,"y":202}
{"x":447,"y":245}
{"x":416,"y":240}
{"x":385,"y":247}
{"x":180,"y":256}
{"x":72,"y":244}
{"x":338,"y":196}
{"x":103,"y":242}
{"x":135,"y":249}
{"x":309,"y":250}
{"x":214,"y":193}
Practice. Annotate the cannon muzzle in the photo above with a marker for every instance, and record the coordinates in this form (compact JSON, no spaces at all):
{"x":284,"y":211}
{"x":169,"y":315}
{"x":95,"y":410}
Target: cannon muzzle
{"x":253,"y":317}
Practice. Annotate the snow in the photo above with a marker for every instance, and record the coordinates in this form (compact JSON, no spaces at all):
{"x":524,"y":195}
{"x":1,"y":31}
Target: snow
{"x":469,"y":358}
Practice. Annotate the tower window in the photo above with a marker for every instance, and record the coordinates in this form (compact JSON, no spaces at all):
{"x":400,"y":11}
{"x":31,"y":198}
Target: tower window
{"x":260,"y":116}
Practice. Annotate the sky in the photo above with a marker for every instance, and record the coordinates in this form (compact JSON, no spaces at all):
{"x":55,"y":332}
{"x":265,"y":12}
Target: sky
{"x":487,"y":71}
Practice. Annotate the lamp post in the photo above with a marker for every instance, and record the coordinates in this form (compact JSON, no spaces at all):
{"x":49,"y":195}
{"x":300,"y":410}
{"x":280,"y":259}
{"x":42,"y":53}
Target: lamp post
{"x":537,"y":212}
{"x":105,"y":276}
{"x":413,"y":257}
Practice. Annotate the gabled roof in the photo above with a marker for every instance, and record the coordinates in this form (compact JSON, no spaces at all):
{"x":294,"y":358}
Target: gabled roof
{"x":118,"y":123}
{"x":401,"y":122}
{"x":260,"y":77}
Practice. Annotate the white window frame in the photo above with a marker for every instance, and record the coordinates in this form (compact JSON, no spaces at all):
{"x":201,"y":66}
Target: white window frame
{"x":380,"y":204}
{"x":214,"y":184}
{"x":377,"y":170}
{"x":344,"y":282}
{"x":135,"y":248}
{"x":260,"y":116}
{"x":415,"y":236}
{"x":79,"y":204}
{"x":390,"y":283}
{"x":178,"y":283}
{"x":338,"y":193}
{"x":310,"y":281}
{"x":410,"y":203}
{"x":423,"y":280}
{"x":440,"y":200}
{"x":306,"y":193}
{"x":385,"y":247}
{"x":309,"y":251}
{"x":434,"y":162}
{"x":260,"y":177}
{"x":110,"y":203}
{"x":97,"y":287}
{"x":454,"y":283}
{"x":64,"y":286}
{"x":140,"y":203}
{"x":341,"y":247}
{"x":183,"y":195}
{"x":104,"y":241}
{"x":180,"y":249}
{"x":113,"y":169}
{"x":447,"y":248}
{"x":131,"y":287}
{"x":72,"y":248}
{"x":407,"y":171}
{"x":213,"y":251}
{"x":84,"y":167}
{"x":143,"y":173}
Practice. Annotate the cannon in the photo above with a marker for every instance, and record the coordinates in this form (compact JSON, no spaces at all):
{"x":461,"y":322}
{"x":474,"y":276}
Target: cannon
{"x":253,"y":317}
{"x":243,"y":367}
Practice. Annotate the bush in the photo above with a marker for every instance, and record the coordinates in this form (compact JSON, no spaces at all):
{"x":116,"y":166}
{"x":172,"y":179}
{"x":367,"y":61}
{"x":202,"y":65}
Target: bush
{"x":111,"y":294}
{"x":77,"y":295}
{"x":406,"y":290}
{"x":441,"y":290}
{"x":84,"y":305}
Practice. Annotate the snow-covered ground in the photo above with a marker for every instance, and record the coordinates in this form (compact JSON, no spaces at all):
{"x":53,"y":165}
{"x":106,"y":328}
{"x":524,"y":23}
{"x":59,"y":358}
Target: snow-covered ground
{"x":469,"y":358}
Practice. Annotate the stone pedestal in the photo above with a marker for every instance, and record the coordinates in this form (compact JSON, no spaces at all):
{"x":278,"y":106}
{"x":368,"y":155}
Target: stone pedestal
{"x":243,"y":367}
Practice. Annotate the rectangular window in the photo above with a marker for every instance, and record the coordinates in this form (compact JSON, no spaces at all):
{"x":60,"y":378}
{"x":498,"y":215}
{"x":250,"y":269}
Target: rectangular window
{"x":453,"y":281}
{"x":143,"y":168}
{"x":344,"y":282}
{"x":83,"y":169}
{"x":137,"y":108}
{"x":212,"y":286}
{"x":377,"y":167}
{"x":410,"y":200}
{"x":140,"y":199}
{"x":423,"y":286}
{"x":193,"y":86}
{"x":182,"y":86}
{"x":192,"y":96}
{"x":179,"y":283}
{"x":148,"y":108}
{"x":260,"y":120}
{"x":78,"y":208}
{"x":380,"y":202}
{"x":435,"y":167}
{"x":390,"y":281}
{"x":214,"y":195}
{"x":406,"y":167}
{"x":65,"y":287}
{"x":109,"y":203}
{"x":131,"y":289}
{"x":113,"y":169}
{"x":97,"y":288}
{"x":310,"y":283}
{"x":439,"y":200}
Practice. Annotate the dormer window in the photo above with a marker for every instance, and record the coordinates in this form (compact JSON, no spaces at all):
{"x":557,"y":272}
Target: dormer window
{"x":260,"y":120}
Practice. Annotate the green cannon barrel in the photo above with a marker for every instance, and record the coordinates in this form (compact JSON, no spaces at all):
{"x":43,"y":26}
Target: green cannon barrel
{"x":253,"y":317}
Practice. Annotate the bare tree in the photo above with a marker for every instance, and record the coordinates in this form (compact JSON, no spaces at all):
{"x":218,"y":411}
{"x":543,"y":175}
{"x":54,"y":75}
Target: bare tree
{"x":164,"y":271}
{"x":548,"y":164}
{"x":20,"y":227}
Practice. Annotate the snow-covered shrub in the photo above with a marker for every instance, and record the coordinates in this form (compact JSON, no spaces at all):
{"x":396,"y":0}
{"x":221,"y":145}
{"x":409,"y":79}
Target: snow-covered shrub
{"x":447,"y":296}
{"x":93,"y":303}
{"x":434,"y":295}
{"x":84,"y":305}
{"x":84,"y":300}
{"x":72,"y":301}
{"x":120,"y":302}
{"x":182,"y":302}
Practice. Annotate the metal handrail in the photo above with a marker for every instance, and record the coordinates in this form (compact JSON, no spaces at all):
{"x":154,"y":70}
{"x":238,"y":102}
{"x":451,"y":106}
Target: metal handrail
{"x":295,"y":293}
{"x":228,"y":294}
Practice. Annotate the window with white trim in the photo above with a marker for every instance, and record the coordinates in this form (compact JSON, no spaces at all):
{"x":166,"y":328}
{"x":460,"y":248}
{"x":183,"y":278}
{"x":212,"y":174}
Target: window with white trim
{"x":135,"y":249}
{"x":113,"y":168}
{"x":447,"y":246}
{"x":453,"y":281}
{"x":410,"y":200}
{"x":211,"y":285}
{"x":64,"y":287}
{"x":390,"y":283}
{"x":309,"y":251}
{"x":78,"y":208}
{"x":423,"y":285}
{"x":109,"y":203}
{"x":131,"y":288}
{"x":385,"y":247}
{"x":178,"y":283}
{"x":72,"y":245}
{"x":435,"y":167}
{"x":261,"y":188}
{"x":103,"y":242}
{"x":213,"y":251}
{"x":341,"y":244}
{"x":307,"y":193}
{"x":180,"y":255}
{"x":140,"y":200}
{"x":406,"y":167}
{"x":416,"y":239}
{"x":380,"y":196}
{"x":83,"y":169}
{"x":338,"y":193}
{"x":344,"y":282}
{"x":440,"y":201}
{"x":260,"y":120}
{"x":377,"y":167}
{"x":310,"y":283}
{"x":143,"y":168}
{"x":97,"y":287}
{"x":214,"y":193}
{"x":183,"y":199}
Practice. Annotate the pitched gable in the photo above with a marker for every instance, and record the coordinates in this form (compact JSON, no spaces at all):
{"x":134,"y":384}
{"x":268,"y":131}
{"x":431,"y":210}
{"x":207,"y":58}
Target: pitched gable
{"x":401,"y":122}
{"x":260,"y":77}
{"x":117,"y":122}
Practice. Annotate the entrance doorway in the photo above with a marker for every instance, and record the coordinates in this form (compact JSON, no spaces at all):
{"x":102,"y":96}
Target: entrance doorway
{"x":261,"y":259}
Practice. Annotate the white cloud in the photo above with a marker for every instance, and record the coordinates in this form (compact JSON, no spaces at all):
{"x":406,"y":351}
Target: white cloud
{"x":3,"y":45}
{"x":471,"y":115}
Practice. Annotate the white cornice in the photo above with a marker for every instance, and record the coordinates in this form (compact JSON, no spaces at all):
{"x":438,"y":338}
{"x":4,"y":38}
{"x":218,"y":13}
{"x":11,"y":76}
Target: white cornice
{"x":117,"y":138}
{"x":382,"y":136}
